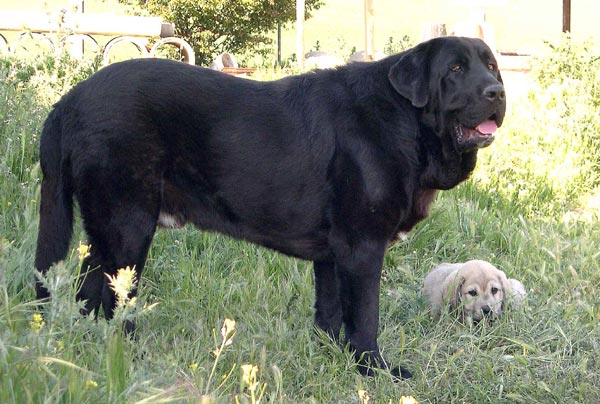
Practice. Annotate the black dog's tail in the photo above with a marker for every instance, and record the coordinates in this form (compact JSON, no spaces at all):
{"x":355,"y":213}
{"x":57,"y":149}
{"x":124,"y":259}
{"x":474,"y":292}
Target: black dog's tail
{"x":56,"y":206}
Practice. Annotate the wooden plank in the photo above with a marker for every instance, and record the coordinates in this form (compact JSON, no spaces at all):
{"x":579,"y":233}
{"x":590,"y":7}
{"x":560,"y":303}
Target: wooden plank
{"x":238,"y":70}
{"x":91,"y":24}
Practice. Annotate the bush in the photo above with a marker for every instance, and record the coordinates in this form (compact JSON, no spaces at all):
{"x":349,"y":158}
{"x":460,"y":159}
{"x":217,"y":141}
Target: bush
{"x":216,"y":26}
{"x":394,"y":46}
{"x":547,"y":159}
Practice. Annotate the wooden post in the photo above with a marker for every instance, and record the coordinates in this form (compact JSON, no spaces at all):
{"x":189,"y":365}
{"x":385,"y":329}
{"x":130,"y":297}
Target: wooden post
{"x":369,"y":29}
{"x":78,"y":46}
{"x":300,"y":33}
{"x":566,"y":16}
{"x":279,"y":44}
{"x":433,"y":30}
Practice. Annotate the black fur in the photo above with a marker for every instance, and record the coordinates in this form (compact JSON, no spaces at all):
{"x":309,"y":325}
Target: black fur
{"x":327,"y":166}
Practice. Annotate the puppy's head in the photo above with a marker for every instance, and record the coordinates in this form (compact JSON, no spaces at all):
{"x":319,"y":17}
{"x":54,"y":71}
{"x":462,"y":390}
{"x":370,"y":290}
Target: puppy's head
{"x":480,"y":290}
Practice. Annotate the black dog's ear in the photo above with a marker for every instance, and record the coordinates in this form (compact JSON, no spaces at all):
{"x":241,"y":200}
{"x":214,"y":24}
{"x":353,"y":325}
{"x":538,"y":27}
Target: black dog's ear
{"x":410,"y":75}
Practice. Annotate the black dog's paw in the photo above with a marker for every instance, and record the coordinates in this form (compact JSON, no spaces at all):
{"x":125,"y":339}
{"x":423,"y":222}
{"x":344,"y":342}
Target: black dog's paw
{"x":400,"y":373}
{"x":129,"y":329}
{"x":370,"y":364}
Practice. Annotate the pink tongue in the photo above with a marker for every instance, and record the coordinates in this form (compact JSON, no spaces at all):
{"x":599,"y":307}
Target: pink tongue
{"x":487,"y":127}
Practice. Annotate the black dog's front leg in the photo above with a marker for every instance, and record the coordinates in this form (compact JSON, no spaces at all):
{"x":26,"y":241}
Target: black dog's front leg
{"x":359,"y":279}
{"x":328,"y":308}
{"x":359,"y":275}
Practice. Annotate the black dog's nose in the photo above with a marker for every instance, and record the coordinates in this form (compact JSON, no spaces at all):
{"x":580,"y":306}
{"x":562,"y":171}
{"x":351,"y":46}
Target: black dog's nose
{"x":486,"y":309}
{"x":495,"y":92}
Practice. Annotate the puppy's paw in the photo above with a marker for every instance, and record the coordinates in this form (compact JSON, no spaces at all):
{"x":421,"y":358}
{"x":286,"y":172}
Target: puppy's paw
{"x":516,"y":293}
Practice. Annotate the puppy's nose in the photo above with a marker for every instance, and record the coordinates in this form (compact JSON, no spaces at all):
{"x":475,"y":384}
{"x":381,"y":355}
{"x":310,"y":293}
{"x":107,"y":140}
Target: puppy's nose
{"x":486,"y":309}
{"x":495,"y":92}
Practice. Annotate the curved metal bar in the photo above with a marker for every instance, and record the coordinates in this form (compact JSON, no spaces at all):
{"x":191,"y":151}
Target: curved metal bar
{"x":76,"y":39}
{"x":186,"y":50}
{"x":34,"y":35}
{"x":139,"y":43}
{"x":3,"y":44}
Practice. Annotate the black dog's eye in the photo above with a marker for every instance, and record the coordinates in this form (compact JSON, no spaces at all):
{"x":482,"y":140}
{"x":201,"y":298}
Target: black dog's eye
{"x":473,"y":293}
{"x":494,"y":291}
{"x":456,"y":68}
{"x":491,"y":67}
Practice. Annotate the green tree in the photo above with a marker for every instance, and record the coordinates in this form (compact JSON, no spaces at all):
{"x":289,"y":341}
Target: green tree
{"x":216,"y":26}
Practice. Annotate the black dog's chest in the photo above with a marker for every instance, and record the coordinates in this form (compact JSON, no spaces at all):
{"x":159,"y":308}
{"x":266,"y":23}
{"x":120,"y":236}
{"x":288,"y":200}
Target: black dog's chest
{"x":420,"y":209}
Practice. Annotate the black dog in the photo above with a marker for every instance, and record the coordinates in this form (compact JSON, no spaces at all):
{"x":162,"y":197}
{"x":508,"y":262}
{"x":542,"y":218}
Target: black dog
{"x":328,"y":166}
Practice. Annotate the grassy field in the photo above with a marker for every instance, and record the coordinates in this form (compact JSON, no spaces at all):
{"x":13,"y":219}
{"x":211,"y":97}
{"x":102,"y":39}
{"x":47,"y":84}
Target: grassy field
{"x":532,"y":208}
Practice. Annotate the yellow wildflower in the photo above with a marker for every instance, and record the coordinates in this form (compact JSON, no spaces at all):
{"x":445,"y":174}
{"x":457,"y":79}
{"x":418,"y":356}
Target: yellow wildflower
{"x":83,"y":251}
{"x":36,"y":323}
{"x":193,"y":366}
{"x":408,"y":400}
{"x":249,"y":372}
{"x":90,"y":384}
{"x":123,"y":283}
{"x":227,"y":331}
{"x":363,"y":397}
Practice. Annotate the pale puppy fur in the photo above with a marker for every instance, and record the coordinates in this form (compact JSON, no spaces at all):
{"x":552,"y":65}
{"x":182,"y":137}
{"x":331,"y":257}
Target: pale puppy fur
{"x":478,"y":287}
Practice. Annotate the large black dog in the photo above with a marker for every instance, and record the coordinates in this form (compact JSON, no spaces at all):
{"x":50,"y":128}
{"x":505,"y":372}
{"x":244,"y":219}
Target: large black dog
{"x":328,"y":166}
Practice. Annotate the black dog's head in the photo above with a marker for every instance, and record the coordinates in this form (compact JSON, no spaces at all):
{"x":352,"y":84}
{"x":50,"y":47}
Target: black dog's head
{"x":457,"y":83}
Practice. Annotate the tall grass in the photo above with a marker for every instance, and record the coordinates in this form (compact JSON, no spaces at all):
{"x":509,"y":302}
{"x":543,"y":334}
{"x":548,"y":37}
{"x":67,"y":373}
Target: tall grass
{"x":531,"y":208}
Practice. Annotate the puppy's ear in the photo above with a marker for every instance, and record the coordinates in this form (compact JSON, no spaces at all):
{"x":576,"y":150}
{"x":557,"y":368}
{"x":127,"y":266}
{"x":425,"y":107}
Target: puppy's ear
{"x":506,"y":289}
{"x":410,"y":75}
{"x":455,"y":298}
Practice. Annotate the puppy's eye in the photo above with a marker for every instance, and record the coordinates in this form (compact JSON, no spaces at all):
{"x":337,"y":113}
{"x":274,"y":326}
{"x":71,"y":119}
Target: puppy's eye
{"x":494,"y":291}
{"x":472,"y":293}
{"x":456,"y":68}
{"x":491,"y":67}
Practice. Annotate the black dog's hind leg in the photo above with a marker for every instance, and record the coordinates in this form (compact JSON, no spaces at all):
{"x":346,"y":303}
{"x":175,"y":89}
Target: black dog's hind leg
{"x":90,"y":281}
{"x":328,"y":308}
{"x":123,"y":243}
{"x":120,"y":232}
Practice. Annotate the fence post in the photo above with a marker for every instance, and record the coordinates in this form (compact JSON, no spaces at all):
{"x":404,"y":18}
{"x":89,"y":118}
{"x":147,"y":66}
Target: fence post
{"x":300,"y":33}
{"x":369,"y":29}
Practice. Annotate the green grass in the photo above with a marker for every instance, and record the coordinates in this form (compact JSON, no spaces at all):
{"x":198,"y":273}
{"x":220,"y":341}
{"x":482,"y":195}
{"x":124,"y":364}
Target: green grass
{"x":531,"y":208}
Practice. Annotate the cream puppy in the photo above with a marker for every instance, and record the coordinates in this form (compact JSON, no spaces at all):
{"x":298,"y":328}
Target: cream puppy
{"x":477,"y":288}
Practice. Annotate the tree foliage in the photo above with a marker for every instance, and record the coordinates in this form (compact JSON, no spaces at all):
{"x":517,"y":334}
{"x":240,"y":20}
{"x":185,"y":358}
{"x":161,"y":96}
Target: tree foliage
{"x":216,"y":26}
